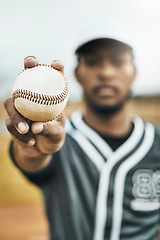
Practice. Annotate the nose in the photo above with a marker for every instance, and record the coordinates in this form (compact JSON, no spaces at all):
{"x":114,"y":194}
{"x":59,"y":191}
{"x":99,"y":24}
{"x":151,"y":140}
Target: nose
{"x":106,"y":71}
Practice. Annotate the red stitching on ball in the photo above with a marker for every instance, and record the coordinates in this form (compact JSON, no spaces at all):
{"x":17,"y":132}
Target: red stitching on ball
{"x":41,"y":98}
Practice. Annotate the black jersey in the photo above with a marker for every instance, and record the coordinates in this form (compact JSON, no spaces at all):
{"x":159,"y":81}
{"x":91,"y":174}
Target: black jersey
{"x":94,"y":193}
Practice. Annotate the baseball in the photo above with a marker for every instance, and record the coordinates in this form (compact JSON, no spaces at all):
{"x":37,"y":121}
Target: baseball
{"x":40,"y":93}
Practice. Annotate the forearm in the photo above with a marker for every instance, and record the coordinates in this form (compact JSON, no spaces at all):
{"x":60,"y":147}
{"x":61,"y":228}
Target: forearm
{"x":30,"y":159}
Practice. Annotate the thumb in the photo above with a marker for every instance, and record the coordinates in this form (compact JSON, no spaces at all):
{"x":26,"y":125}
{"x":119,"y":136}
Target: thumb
{"x":49,"y":128}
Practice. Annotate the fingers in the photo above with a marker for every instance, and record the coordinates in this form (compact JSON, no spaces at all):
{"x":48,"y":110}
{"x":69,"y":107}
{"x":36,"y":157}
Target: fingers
{"x":42,"y":128}
{"x":23,"y":138}
{"x":30,"y":143}
{"x":16,"y":118}
{"x":53,"y":131}
{"x":48,"y":128}
{"x":37,"y":127}
{"x":61,"y":118}
{"x":30,"y":62}
{"x":58,"y":65}
{"x":16,"y":124}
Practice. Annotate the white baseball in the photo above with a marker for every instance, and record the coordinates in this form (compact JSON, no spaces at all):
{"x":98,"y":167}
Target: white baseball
{"x":40,"y":93}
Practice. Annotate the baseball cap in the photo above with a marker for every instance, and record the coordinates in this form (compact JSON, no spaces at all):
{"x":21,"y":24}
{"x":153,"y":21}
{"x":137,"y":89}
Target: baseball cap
{"x":106,"y":29}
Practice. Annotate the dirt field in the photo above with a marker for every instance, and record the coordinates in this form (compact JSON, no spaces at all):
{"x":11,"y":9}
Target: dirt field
{"x":22,"y":213}
{"x":23,"y":222}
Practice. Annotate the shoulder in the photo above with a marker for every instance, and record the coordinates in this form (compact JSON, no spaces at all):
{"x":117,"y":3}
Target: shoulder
{"x":155,"y":130}
{"x":155,"y":150}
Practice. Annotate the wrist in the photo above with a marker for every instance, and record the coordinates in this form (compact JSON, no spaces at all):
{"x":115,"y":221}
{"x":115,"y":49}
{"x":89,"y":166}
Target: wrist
{"x":30,"y":159}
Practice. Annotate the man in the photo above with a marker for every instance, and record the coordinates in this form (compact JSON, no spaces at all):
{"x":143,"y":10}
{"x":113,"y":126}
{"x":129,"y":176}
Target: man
{"x":101,"y":179}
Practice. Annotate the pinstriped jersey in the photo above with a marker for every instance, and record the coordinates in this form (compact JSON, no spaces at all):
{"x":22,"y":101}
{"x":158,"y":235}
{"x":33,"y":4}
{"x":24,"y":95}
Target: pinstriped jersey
{"x":94,"y":193}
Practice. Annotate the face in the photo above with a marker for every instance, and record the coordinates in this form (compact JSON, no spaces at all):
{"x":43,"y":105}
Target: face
{"x":106,"y":76}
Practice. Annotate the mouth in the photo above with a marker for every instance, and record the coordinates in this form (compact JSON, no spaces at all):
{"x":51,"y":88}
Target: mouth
{"x":105,"y":91}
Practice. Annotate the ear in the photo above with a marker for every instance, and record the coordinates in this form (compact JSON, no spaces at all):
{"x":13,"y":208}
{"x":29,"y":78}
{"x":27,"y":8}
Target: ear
{"x":77,"y":75}
{"x":134,"y":73}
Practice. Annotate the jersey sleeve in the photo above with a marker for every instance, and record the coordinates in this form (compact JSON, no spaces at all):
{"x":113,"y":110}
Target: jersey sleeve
{"x":40,"y":177}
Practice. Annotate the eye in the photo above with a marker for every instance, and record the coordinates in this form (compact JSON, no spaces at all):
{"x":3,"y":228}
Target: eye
{"x":118,"y":61}
{"x":92,"y":62}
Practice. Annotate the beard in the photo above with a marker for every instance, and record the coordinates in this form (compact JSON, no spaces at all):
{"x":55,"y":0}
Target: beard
{"x":106,"y":110}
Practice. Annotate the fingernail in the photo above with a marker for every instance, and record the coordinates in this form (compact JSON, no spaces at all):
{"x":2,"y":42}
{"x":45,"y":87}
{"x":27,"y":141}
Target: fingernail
{"x":22,"y":127}
{"x":56,"y":61}
{"x":29,"y":57}
{"x":37,"y":127}
{"x":31,"y":142}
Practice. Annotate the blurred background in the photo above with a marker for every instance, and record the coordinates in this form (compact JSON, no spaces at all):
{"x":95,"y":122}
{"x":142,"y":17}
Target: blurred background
{"x":49,"y":30}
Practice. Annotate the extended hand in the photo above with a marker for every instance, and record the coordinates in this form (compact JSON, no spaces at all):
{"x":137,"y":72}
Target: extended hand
{"x":37,"y":137}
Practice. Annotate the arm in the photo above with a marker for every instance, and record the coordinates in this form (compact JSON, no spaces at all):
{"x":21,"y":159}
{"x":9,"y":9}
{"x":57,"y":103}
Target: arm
{"x":34,"y":142}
